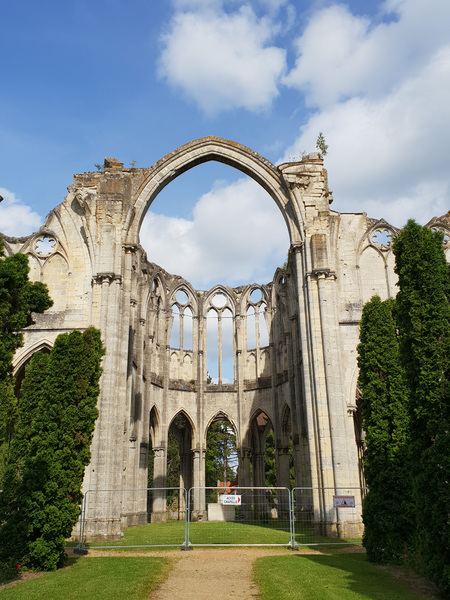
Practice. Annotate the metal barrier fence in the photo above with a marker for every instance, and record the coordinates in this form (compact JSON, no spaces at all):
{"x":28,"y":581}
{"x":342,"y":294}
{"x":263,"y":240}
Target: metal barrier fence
{"x":205,"y":516}
{"x":249,"y":516}
{"x":326,"y":515}
{"x":162,"y":505}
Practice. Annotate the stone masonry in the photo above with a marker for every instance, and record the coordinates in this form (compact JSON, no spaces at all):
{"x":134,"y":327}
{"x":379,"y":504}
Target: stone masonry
{"x":303,"y":382}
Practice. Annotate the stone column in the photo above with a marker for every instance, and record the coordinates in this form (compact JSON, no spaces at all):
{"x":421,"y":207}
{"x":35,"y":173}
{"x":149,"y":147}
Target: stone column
{"x":185,"y":480}
{"x":259,"y":497}
{"x":245,"y":481}
{"x":159,"y":514}
{"x":198,"y":507}
{"x":283,"y":480}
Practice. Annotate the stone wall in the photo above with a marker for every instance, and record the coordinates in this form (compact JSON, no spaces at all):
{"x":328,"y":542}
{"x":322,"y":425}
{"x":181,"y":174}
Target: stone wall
{"x":301,"y":381}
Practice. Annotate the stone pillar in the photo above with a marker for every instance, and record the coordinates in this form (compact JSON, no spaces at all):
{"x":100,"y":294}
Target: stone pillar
{"x":159,"y":514}
{"x":259,"y":497}
{"x":185,"y":481}
{"x":198,"y":502}
{"x":345,"y":461}
{"x":245,"y":481}
{"x":283,"y":480}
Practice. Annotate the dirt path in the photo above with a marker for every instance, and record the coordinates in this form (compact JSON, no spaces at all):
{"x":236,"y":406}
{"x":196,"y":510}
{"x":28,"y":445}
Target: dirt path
{"x":205,"y":573}
{"x":219,"y":573}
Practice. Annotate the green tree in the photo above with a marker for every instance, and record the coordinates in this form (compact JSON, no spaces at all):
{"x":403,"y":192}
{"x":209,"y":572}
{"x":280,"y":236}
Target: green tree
{"x":41,"y":500}
{"x":19,"y":298}
{"x":220,"y":453}
{"x":424,"y":320}
{"x":384,"y":404}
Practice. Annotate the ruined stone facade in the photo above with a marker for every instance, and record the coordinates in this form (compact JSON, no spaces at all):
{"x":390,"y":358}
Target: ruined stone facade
{"x":303,"y":379}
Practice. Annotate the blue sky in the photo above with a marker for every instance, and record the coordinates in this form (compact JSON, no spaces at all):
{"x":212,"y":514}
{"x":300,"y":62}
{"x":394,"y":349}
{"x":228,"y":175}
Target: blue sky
{"x":135,"y":80}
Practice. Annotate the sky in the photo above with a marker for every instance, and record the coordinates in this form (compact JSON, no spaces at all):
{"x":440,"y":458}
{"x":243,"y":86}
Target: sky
{"x":83,"y":80}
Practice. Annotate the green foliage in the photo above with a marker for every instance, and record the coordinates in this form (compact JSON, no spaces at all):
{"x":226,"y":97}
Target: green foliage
{"x":384,"y":402}
{"x":173,"y":455}
{"x":19,"y":298}
{"x":220,"y":453}
{"x":424,"y":321}
{"x":321,"y":146}
{"x":50,"y":449}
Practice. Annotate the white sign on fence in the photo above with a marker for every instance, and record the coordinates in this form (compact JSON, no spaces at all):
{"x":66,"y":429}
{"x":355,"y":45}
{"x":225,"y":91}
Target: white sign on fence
{"x":344,"y":501}
{"x":232,"y":500}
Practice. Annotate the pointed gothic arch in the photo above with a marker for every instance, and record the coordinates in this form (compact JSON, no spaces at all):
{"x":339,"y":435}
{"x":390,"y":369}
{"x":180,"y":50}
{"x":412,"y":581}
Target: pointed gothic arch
{"x":203,"y":150}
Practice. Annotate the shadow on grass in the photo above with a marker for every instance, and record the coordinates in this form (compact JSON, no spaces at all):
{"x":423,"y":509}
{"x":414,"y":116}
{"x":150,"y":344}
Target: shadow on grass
{"x":341,"y":576}
{"x":17,"y":575}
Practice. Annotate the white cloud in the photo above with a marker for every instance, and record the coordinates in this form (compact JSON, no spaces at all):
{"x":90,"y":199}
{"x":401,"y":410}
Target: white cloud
{"x":237,"y":236}
{"x":17,"y":219}
{"x":383,"y":102}
{"x":341,"y":55}
{"x":222,"y":60}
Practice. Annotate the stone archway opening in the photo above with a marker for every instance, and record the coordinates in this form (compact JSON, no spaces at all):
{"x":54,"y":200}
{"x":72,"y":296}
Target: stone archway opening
{"x":221,"y":461}
{"x":214,"y":225}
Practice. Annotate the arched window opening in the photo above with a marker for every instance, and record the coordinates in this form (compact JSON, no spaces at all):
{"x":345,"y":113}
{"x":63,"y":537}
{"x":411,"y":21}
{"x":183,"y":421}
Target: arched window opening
{"x":192,"y":228}
{"x":220,"y":345}
{"x":227,"y":350}
{"x":168,"y":502}
{"x":221,"y":460}
{"x":262,"y":326}
{"x":176,"y":333}
{"x":257,"y":331}
{"x":251,"y":328}
{"x":212,"y":341}
{"x":188,"y":329}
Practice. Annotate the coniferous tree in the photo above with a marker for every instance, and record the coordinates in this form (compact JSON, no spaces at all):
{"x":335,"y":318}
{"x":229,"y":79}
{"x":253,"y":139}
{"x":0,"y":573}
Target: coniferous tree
{"x":50,"y":449}
{"x":387,"y":513}
{"x":424,"y":321}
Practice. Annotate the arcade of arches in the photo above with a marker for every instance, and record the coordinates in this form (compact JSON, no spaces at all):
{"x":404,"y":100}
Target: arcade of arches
{"x":293,"y":339}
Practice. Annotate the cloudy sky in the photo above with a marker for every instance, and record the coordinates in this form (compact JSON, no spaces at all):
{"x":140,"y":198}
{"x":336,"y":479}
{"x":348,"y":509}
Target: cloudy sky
{"x":135,"y":80}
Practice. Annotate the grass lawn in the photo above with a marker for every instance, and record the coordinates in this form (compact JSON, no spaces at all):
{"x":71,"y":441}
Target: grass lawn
{"x":110,"y":578}
{"x":327,"y":577}
{"x":173,"y":533}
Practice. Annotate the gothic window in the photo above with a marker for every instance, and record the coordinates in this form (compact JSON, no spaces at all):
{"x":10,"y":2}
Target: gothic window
{"x":182,"y":315}
{"x":219,"y":340}
{"x":257,"y":332}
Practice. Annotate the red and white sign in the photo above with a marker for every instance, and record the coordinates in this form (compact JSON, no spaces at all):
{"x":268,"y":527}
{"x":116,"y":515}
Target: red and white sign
{"x":232,"y":500}
{"x":344,"y":501}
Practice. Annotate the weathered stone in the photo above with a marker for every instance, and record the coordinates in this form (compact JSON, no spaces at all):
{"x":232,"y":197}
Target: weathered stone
{"x":302,"y":384}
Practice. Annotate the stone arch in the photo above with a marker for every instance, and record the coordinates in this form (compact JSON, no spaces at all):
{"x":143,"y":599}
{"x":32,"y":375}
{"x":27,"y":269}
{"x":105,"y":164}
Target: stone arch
{"x":286,"y":424}
{"x":220,"y":415}
{"x":23,"y":359}
{"x":155,"y":427}
{"x":189,"y":421}
{"x":200,"y":151}
{"x":258,"y":430}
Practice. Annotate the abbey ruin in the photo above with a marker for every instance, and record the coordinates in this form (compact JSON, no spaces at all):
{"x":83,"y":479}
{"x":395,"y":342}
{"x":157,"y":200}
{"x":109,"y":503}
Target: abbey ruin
{"x":301,"y":381}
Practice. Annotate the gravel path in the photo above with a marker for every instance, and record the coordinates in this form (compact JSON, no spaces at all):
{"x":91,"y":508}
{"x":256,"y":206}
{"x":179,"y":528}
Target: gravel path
{"x":219,"y":573}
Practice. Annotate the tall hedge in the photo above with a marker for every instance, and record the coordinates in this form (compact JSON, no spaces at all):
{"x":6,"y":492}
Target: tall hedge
{"x":384,"y":404}
{"x":19,"y":298}
{"x":424,"y":320}
{"x":50,"y":450}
